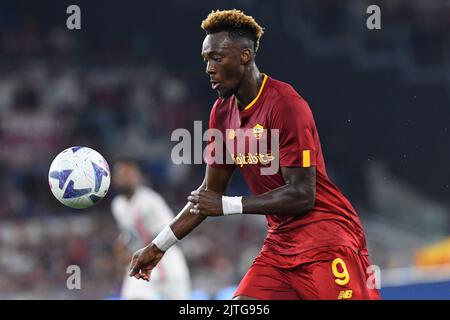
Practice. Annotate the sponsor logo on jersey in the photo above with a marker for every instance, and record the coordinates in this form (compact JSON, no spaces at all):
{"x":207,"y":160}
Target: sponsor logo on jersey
{"x":345,"y":294}
{"x":250,"y":158}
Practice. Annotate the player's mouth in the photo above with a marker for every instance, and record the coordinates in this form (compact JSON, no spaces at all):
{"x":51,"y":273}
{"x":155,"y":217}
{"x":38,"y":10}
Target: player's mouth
{"x":215,"y":85}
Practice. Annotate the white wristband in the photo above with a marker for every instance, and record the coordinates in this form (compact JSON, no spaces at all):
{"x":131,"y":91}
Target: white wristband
{"x":165,"y":239}
{"x":231,"y":205}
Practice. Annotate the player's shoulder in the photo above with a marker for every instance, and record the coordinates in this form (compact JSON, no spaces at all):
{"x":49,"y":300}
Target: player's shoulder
{"x":282,"y":88}
{"x":221,"y":104}
{"x":117,"y":199}
{"x":282,"y":91}
{"x":284,"y":96}
{"x":145,"y":191}
{"x":117,"y":203}
{"x":148,"y":193}
{"x":221,"y":108}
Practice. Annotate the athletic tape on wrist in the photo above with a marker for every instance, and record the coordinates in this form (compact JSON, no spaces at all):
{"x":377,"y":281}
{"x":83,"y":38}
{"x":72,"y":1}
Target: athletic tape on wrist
{"x":231,"y":205}
{"x":165,"y":239}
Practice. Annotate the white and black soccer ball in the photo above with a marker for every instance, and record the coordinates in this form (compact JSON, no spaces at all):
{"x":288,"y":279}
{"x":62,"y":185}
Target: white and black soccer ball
{"x":79,"y":177}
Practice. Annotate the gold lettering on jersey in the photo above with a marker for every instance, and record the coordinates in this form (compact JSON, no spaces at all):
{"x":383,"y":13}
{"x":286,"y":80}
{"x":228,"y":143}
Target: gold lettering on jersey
{"x":250,"y":158}
{"x":253,"y":158}
{"x":258,"y":131}
{"x":231,"y":134}
{"x":345,"y":294}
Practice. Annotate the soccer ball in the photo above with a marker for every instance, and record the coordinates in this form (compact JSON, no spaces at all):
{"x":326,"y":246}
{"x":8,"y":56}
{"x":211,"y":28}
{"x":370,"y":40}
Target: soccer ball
{"x":79,"y":177}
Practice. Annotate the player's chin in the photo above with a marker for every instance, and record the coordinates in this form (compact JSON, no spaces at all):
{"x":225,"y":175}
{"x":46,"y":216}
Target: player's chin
{"x":224,"y":93}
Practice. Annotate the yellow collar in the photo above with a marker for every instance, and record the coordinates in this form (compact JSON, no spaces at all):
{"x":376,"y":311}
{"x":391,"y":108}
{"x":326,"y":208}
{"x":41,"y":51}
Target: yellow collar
{"x":259,"y":93}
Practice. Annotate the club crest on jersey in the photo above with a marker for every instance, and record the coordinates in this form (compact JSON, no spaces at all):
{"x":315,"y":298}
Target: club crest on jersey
{"x":258,"y":131}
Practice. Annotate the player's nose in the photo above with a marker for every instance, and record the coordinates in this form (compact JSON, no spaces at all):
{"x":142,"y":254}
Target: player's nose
{"x":210,"y":69}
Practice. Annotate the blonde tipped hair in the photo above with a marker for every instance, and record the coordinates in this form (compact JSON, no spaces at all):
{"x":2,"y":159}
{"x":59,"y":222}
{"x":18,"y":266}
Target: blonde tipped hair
{"x":234,"y":21}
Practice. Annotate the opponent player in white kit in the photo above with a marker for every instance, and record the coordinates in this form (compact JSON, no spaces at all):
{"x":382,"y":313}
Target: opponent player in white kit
{"x":141,"y":214}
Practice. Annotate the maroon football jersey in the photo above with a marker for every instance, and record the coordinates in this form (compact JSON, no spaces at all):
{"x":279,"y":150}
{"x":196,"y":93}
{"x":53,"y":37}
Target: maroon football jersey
{"x":333,"y":221}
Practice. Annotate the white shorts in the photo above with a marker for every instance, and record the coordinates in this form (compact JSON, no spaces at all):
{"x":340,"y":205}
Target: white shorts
{"x":170,"y":280}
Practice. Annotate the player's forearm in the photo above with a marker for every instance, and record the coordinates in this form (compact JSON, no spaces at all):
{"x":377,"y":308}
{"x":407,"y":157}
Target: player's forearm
{"x":180,"y":226}
{"x":286,"y":200}
{"x":185,"y":221}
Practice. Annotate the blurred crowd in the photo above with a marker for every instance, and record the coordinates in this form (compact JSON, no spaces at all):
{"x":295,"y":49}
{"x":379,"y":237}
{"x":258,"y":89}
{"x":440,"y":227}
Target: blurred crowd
{"x":44,"y":111}
{"x":36,"y":256}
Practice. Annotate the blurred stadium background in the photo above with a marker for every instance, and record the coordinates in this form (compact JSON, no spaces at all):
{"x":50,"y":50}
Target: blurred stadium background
{"x":133,"y":73}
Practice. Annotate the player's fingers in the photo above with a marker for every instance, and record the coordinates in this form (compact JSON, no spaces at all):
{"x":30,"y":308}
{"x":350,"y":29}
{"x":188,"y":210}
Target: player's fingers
{"x":132,"y":264}
{"x":146,"y":273}
{"x":193,"y":199}
{"x":142,"y":275}
{"x":195,"y":209}
{"x":194,"y":193}
{"x":134,"y":273}
{"x":134,"y":270}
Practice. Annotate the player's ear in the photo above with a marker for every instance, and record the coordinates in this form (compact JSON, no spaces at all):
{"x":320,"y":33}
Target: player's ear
{"x":246,"y":56}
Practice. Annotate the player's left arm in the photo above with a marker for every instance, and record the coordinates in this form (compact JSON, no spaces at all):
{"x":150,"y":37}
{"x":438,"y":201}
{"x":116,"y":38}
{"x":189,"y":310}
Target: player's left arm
{"x":297,"y":196}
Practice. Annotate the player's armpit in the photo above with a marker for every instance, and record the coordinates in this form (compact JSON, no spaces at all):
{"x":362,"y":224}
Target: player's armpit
{"x":303,"y":180}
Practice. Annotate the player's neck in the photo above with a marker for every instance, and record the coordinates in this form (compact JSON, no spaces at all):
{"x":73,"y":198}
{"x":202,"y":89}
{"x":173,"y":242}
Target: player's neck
{"x":249,"y":87}
{"x":130,"y":193}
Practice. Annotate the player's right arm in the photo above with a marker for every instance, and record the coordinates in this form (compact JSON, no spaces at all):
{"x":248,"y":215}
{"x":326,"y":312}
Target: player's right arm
{"x":145,"y":259}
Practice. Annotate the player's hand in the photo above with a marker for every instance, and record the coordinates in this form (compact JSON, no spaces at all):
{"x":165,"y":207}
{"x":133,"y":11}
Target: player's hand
{"x":144,"y":260}
{"x":208,"y":203}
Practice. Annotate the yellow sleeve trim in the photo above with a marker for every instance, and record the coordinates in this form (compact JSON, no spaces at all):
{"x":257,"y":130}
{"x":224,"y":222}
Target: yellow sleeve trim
{"x":259,"y":93}
{"x":306,"y":156}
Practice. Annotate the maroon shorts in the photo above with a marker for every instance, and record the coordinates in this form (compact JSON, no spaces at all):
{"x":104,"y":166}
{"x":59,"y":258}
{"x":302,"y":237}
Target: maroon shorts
{"x":341,"y":275}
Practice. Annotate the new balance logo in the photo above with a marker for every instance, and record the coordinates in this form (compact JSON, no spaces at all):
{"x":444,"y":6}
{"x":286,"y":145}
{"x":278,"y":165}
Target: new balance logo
{"x":345,"y":294}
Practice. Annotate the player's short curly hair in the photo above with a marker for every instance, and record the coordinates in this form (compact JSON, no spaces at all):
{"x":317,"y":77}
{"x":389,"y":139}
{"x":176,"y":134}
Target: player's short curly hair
{"x":236,"y":22}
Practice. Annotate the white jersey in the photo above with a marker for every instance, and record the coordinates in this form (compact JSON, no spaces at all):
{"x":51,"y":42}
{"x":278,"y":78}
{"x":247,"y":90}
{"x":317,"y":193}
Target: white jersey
{"x":140,"y":219}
